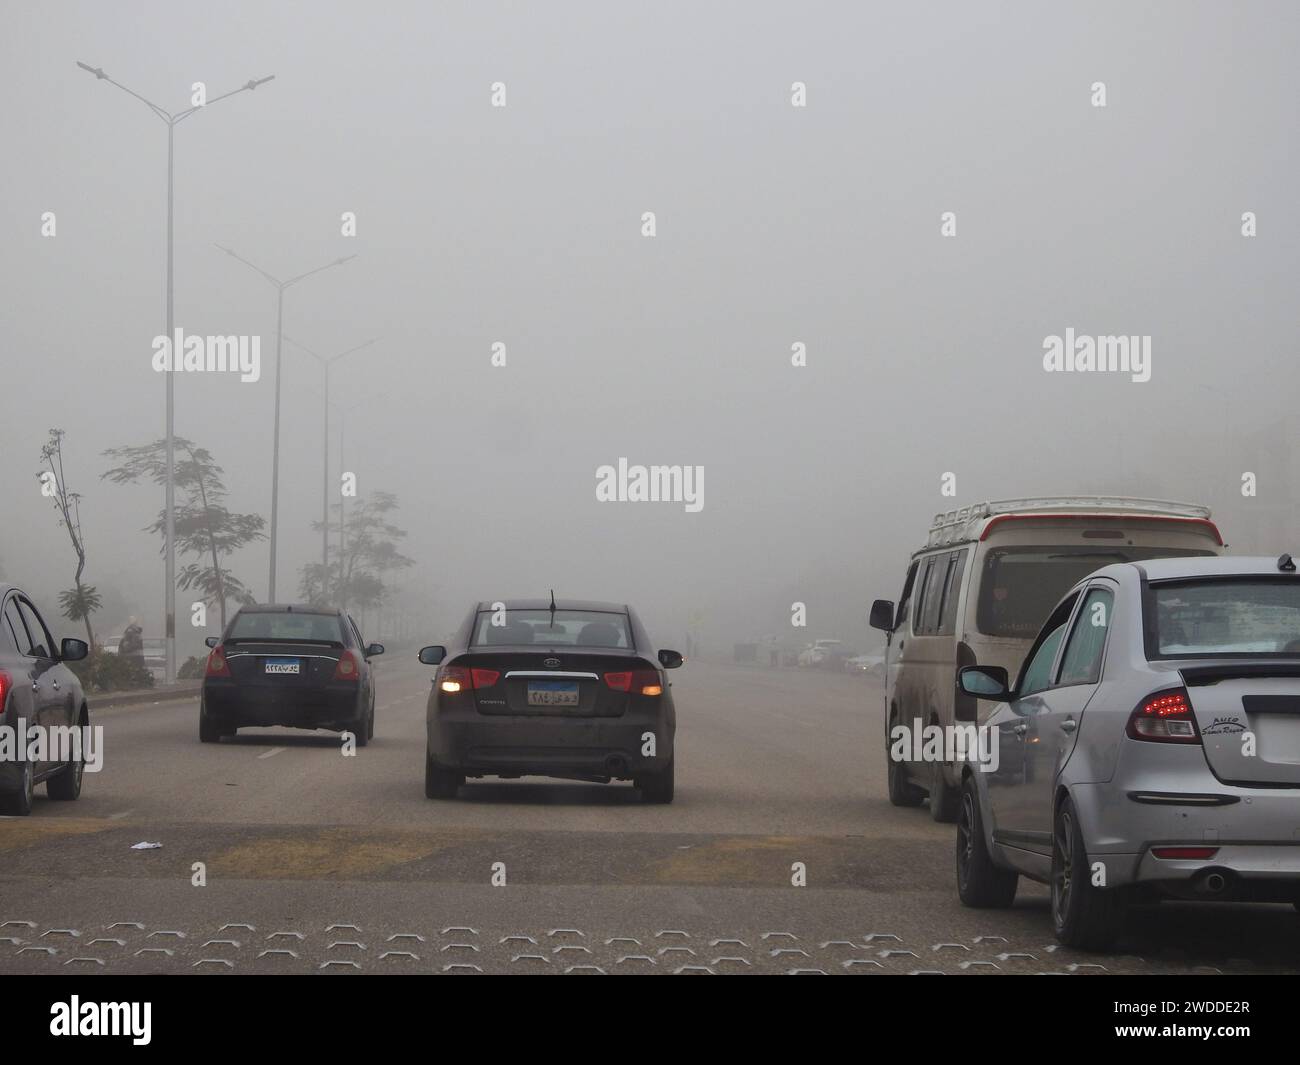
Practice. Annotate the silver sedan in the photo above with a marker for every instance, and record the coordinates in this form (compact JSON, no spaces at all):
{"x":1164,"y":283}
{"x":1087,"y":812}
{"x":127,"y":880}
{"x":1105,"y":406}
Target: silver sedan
{"x":1149,"y":747}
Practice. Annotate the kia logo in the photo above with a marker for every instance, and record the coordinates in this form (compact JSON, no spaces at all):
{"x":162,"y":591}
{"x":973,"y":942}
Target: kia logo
{"x":551,"y":663}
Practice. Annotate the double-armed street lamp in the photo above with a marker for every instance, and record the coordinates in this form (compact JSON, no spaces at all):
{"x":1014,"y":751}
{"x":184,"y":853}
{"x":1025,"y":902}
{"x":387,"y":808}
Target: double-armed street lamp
{"x":172,"y":120}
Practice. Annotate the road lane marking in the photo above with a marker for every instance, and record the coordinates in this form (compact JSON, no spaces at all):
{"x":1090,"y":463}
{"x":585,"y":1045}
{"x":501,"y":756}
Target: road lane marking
{"x":119,"y":815}
{"x":273,"y":751}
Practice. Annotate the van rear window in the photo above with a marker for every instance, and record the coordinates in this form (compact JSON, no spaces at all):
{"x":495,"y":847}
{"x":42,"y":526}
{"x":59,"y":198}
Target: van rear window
{"x":1020,"y":585}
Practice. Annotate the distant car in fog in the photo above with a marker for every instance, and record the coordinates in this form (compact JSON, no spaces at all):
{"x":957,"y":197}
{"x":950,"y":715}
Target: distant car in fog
{"x":818,"y":652}
{"x":1149,"y":747}
{"x":978,"y":591}
{"x":572,"y":689}
{"x":872,"y":663}
{"x":36,"y":689}
{"x":296,"y":666}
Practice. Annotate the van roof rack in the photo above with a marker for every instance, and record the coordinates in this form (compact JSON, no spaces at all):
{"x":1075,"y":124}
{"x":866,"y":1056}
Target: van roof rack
{"x":957,"y":526}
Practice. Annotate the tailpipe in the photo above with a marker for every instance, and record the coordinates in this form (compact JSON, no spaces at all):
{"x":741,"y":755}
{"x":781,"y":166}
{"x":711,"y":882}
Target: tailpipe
{"x":1211,"y":883}
{"x":616,"y":765}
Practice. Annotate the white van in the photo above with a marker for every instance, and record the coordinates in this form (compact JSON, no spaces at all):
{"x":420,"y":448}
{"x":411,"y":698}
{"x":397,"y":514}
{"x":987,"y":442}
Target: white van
{"x":977,"y":593}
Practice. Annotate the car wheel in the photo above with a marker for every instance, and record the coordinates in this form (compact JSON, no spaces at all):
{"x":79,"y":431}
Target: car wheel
{"x":980,"y":882}
{"x":362,"y":731}
{"x":65,"y":785}
{"x":657,"y":787}
{"x":945,"y":800}
{"x":209,"y":731}
{"x":1084,"y":915}
{"x":19,"y":803}
{"x":902,"y":792}
{"x":439,"y":783}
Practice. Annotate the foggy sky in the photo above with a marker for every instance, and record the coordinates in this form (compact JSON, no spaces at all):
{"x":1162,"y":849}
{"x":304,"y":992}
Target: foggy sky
{"x":775,"y":225}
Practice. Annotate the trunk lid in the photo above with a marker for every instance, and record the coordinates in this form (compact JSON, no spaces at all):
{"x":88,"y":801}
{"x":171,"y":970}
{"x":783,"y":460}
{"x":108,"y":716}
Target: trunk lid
{"x":567,"y":683}
{"x":1249,"y":718}
{"x":282,"y":663}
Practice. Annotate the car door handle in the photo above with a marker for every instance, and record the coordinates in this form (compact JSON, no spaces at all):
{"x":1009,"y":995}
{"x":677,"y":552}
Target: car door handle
{"x":1069,"y":725}
{"x":1020,"y":729}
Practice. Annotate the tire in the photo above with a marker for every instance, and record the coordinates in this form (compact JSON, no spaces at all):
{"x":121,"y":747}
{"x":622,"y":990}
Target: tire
{"x":209,"y":731}
{"x":370,"y":723}
{"x":364,"y":730}
{"x":19,"y":803}
{"x":65,"y":786}
{"x":439,"y":783}
{"x":981,"y":884}
{"x":657,"y":787}
{"x":1083,"y":916}
{"x":902,"y":792}
{"x":945,"y":800}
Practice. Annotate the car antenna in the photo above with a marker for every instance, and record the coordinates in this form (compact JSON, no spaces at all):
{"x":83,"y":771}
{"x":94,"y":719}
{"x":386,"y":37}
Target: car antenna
{"x":552,"y":608}
{"x":1286,"y":564}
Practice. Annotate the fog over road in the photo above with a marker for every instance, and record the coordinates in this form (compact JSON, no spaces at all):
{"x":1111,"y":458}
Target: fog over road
{"x":775,"y":767}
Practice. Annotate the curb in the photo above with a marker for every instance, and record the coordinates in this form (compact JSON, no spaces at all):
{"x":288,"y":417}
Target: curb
{"x":107,"y":700}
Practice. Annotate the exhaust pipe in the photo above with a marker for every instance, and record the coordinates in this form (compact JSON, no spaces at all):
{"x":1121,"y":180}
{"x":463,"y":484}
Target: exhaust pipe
{"x":1210,"y":883}
{"x":616,"y":765}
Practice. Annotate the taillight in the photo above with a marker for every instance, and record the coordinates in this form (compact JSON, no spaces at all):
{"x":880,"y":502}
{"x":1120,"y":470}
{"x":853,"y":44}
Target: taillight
{"x":641,"y":681}
{"x":217,"y":664}
{"x":453,"y":679}
{"x":1190,"y":854}
{"x":1164,"y":717}
{"x":4,"y":689}
{"x":347,"y":669}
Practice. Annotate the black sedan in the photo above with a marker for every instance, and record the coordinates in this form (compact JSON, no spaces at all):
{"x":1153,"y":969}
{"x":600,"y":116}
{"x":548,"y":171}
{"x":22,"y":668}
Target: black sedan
{"x":536,"y":688}
{"x":295,"y":666}
{"x":39,"y":695}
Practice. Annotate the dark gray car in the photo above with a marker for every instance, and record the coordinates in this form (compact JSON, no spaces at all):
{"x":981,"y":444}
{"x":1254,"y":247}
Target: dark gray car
{"x":538,"y":688}
{"x":36,"y":690}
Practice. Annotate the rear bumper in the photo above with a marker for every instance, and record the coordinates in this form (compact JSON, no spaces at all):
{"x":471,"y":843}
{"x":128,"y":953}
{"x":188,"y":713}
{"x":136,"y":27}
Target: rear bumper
{"x":334,"y":706}
{"x":1256,"y":832}
{"x":533,"y":745}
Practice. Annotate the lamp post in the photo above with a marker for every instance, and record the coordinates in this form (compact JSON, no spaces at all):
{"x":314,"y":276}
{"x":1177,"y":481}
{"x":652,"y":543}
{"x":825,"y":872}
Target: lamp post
{"x":326,"y":364}
{"x":344,"y":410}
{"x":169,"y":520}
{"x":275,"y":445}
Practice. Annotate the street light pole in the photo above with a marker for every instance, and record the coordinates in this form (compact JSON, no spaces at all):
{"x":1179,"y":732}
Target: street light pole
{"x":275,"y":446}
{"x":169,"y":519}
{"x":326,"y":364}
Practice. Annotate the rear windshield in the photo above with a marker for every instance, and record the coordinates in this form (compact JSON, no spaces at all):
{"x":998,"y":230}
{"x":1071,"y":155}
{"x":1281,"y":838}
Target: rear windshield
{"x":296,"y":627}
{"x":573,"y":628}
{"x":1260,"y":617}
{"x":1020,"y":585}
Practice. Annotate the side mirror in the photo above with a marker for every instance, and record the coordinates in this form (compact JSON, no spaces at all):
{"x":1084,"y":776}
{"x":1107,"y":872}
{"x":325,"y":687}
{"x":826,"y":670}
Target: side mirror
{"x":670,"y":659}
{"x":374,"y":649}
{"x":984,"y":682}
{"x":211,"y":641}
{"x":431,"y":656}
{"x":73,"y":650}
{"x":882,"y":615}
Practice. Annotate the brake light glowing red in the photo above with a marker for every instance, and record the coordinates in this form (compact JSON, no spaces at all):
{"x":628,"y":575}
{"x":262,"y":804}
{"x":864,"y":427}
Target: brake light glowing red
{"x":641,"y":681}
{"x":4,"y":689}
{"x":347,"y":669}
{"x":1164,"y":717}
{"x":217,"y":664}
{"x":1194,"y":854}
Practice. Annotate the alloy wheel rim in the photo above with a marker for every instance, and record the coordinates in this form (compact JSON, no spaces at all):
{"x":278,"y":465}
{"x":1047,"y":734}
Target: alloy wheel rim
{"x":966,"y":834}
{"x":1061,"y":879}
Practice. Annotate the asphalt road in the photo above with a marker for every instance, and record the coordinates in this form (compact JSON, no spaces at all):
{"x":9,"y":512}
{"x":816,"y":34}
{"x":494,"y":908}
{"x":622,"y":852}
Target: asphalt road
{"x":313,"y":859}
